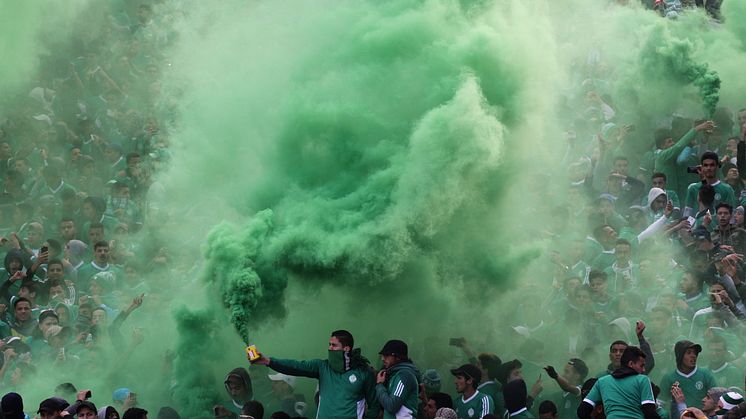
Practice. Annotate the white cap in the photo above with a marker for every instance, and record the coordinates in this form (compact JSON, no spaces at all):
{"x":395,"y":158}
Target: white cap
{"x":282,"y":377}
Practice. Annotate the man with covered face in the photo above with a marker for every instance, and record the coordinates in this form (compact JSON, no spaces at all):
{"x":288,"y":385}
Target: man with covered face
{"x":346,"y":382}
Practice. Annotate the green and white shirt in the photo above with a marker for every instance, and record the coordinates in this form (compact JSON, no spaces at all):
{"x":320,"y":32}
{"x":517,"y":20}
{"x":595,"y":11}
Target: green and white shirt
{"x":694,"y":385}
{"x":475,"y":407}
{"x":622,"y":397}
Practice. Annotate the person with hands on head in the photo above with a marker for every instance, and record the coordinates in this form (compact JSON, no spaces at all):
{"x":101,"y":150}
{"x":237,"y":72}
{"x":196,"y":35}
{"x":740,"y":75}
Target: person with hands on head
{"x":397,"y":384}
{"x":346,"y":382}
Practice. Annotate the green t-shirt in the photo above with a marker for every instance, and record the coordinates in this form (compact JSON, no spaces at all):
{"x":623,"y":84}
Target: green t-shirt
{"x":694,"y":385}
{"x":475,"y":407}
{"x":623,"y":397}
{"x":728,"y":376}
{"x":723,"y":193}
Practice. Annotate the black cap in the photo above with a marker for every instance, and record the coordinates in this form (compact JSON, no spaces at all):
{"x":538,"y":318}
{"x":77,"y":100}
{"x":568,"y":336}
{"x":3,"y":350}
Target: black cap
{"x":83,"y":404}
{"x":53,"y":404}
{"x":469,"y":371}
{"x":395,"y":347}
{"x":680,"y":348}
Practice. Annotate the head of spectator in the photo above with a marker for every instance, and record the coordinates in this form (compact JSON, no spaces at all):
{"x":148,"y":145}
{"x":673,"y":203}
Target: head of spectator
{"x":431,"y":381}
{"x":446,"y":413}
{"x":64,"y":315}
{"x":55,"y":270}
{"x":47,"y":318}
{"x":710,"y":401}
{"x":515,"y":394}
{"x":724,"y":213}
{"x":282,"y":385}
{"x":710,"y":164}
{"x":394,"y":352}
{"x":663,"y":138}
{"x":93,"y":209}
{"x":727,"y":402}
{"x":238,"y":385}
{"x":489,"y":365}
{"x":167,"y":412}
{"x":101,"y":253}
{"x":657,"y":200}
{"x":108,"y":412}
{"x":548,"y":410}
{"x":68,"y":230}
{"x":658,"y":180}
{"x":575,"y":371}
{"x":509,"y":371}
{"x":52,"y":408}
{"x":85,"y":410}
{"x":135,"y":413}
{"x":75,"y":251}
{"x":35,"y":235}
{"x":633,"y":358}
{"x":598,"y":282}
{"x":616,"y":349}
{"x":621,"y":165}
{"x":686,"y":353}
{"x":12,"y":406}
{"x":466,"y":379}
{"x":436,"y":401}
{"x":113,"y":152}
{"x":22,"y":310}
{"x":606,"y":236}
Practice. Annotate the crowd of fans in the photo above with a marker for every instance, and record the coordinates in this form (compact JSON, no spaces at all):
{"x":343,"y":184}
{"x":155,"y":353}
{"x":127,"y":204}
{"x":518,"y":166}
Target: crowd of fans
{"x":649,"y":251}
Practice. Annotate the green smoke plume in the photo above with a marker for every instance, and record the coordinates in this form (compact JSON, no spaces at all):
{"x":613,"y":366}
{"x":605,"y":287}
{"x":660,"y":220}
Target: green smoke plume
{"x":664,"y":56}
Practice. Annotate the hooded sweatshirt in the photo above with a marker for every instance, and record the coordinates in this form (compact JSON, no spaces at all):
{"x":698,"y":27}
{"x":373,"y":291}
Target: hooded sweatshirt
{"x":516,"y":394}
{"x":236,"y":405}
{"x":695,"y":384}
{"x":653,"y":194}
{"x":103,"y":412}
{"x":399,"y":396}
{"x":342,"y":395}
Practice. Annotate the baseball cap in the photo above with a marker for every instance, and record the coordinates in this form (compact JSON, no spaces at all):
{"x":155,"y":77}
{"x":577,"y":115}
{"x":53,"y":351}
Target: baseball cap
{"x":53,"y":404}
{"x":395,"y":347}
{"x":290,"y":380}
{"x":468,"y":371}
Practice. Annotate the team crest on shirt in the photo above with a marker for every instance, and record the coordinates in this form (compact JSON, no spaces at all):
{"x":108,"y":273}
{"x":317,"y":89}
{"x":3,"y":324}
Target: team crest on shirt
{"x":470,"y":412}
{"x":353,"y":378}
{"x":698,"y":385}
{"x":717,"y":197}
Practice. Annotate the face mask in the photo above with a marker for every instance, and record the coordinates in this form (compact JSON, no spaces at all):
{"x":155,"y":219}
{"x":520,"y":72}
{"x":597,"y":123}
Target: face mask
{"x":338,"y":361}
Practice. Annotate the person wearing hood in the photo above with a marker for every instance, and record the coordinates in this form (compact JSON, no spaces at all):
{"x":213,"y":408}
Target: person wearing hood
{"x":346,"y":383}
{"x":626,"y":393}
{"x":239,"y":388}
{"x":515,"y":396}
{"x":108,"y":412}
{"x":657,"y":200}
{"x":692,"y":380}
{"x":397,"y":384}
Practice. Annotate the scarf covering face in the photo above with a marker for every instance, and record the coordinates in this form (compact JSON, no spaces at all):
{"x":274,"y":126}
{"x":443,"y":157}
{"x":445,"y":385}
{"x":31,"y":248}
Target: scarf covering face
{"x":343,"y":361}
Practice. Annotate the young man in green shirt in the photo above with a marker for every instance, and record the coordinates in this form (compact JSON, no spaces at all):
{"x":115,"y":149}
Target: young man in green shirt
{"x":346,"y":383}
{"x":472,"y":404}
{"x":515,"y":395}
{"x":626,"y":393}
{"x":709,"y":171}
{"x":397,"y":384}
{"x":693,"y":381}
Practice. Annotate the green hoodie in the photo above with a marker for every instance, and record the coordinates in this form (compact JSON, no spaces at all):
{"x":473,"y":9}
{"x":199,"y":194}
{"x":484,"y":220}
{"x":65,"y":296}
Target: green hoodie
{"x":399,"y":397}
{"x":341,"y":395}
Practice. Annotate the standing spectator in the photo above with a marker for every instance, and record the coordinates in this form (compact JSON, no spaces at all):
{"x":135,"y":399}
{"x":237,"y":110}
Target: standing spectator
{"x":472,"y":404}
{"x":397,"y":384}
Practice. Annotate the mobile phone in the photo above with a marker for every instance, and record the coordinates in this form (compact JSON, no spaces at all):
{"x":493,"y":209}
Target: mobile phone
{"x":43,"y":249}
{"x":690,"y":220}
{"x":459,"y":342}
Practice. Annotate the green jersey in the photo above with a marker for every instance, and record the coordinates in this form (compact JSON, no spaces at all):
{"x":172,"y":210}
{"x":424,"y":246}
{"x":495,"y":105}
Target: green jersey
{"x":728,"y":376}
{"x":723,"y":193}
{"x":622,"y":397}
{"x":694,"y":385}
{"x":341,"y":396}
{"x":521,"y":414}
{"x":494,"y":390}
{"x":475,"y":407}
{"x":399,"y":397}
{"x":665,"y":161}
